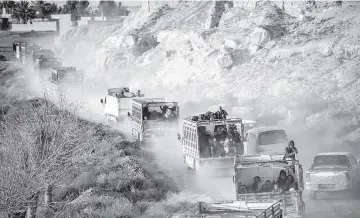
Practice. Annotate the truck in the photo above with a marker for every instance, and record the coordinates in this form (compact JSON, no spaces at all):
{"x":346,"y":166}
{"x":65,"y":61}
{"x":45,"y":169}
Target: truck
{"x":6,"y":53}
{"x":232,"y":209}
{"x":42,"y":53}
{"x":66,"y":75}
{"x":254,"y":171}
{"x":67,"y":79}
{"x":45,"y":64}
{"x":265,"y":140}
{"x":24,"y":51}
{"x":117,"y":104}
{"x":197,"y":137}
{"x":333,"y":172}
{"x":154,"y":119}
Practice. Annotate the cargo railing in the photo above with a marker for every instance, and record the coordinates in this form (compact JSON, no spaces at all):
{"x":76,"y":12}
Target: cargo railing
{"x":244,"y":209}
{"x":291,"y":201}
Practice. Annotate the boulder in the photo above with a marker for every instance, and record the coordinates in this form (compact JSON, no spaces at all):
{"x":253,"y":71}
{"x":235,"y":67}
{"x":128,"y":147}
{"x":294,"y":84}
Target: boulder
{"x":225,"y":60}
{"x":260,"y":37}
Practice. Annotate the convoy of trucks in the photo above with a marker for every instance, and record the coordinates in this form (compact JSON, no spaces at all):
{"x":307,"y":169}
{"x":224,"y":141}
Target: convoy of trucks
{"x":261,"y":157}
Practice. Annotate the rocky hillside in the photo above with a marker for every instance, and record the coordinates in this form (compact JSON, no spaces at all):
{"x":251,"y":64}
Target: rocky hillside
{"x":267,"y":61}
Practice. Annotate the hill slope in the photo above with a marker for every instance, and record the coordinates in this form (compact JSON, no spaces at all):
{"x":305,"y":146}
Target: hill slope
{"x":263,"y":62}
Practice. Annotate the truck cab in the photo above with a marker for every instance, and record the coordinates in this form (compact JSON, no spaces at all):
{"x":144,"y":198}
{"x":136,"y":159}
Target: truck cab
{"x":332,"y":172}
{"x":203,"y":139}
{"x":232,"y":209}
{"x":265,"y":140}
{"x":117,"y":104}
{"x":255,"y":178}
{"x":154,"y":119}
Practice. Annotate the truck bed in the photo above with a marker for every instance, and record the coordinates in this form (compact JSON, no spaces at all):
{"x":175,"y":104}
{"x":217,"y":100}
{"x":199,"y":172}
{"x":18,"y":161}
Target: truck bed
{"x":291,"y":204}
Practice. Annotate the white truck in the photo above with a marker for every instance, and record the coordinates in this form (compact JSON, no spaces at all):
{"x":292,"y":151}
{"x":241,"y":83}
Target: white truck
{"x":117,"y":104}
{"x":154,"y":119}
{"x":333,"y":172}
{"x":232,"y":209}
{"x":197,"y":137}
{"x":265,"y":140}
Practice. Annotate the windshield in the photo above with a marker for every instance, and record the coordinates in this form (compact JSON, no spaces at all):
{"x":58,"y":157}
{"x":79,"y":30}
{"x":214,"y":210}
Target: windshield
{"x":272,"y":137}
{"x":331,"y":160}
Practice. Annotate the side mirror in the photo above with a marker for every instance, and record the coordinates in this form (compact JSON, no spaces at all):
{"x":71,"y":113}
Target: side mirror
{"x":179,"y":137}
{"x":234,"y":179}
{"x":129,"y":115}
{"x":101,"y":101}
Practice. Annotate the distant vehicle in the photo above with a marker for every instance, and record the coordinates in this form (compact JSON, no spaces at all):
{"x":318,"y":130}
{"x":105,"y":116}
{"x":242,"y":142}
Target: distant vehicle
{"x":118,"y":104}
{"x":150,"y":123}
{"x":24,"y":51}
{"x":67,"y":80}
{"x":265,"y":140}
{"x":195,"y":141}
{"x":66,"y":75}
{"x":7,"y":53}
{"x":268,"y":168}
{"x":45,"y":64}
{"x":232,"y":209}
{"x":42,"y":53}
{"x":333,"y":171}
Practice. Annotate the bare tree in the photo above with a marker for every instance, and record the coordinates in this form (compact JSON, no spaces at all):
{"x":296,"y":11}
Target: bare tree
{"x":39,"y":145}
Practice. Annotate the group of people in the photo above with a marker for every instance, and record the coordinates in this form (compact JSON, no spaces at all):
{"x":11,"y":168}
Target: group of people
{"x":283,"y":183}
{"x":166,"y":113}
{"x":222,"y":143}
{"x":218,"y":115}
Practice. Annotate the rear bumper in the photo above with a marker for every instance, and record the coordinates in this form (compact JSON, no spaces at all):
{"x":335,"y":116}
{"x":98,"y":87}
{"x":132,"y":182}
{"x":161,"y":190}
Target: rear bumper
{"x":309,"y":187}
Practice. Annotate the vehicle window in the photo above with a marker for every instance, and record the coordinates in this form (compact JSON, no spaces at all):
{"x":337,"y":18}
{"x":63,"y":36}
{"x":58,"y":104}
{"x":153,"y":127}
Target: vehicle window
{"x":272,"y":137}
{"x":331,"y":160}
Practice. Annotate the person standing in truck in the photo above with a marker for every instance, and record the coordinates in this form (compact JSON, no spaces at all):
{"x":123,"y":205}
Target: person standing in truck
{"x":291,"y":151}
{"x":221,"y":114}
{"x":237,"y":139}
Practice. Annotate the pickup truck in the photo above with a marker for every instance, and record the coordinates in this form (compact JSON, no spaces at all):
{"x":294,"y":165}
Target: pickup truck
{"x":331,"y":172}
